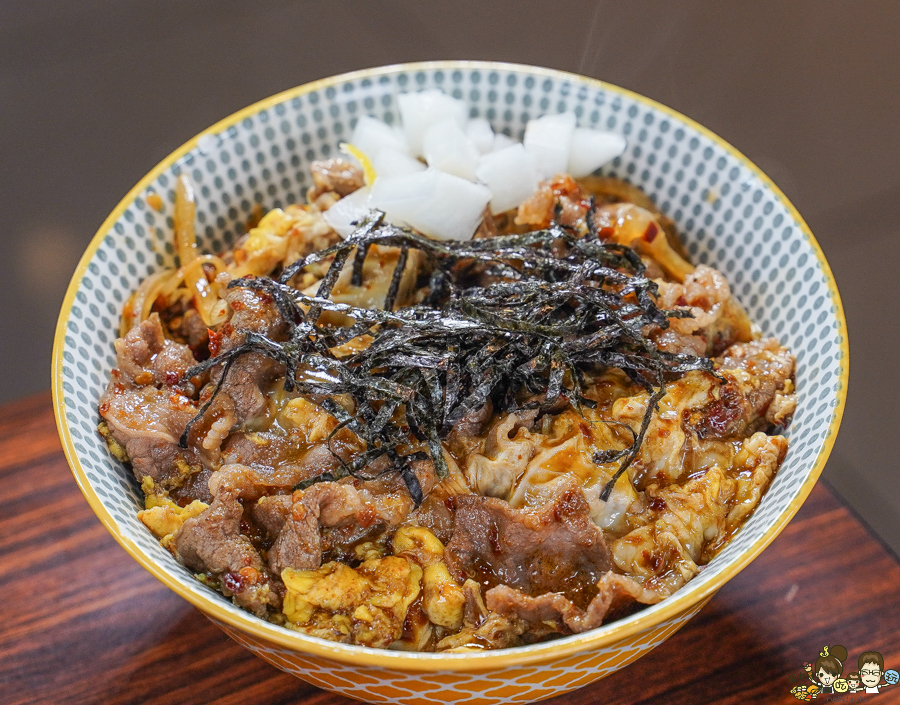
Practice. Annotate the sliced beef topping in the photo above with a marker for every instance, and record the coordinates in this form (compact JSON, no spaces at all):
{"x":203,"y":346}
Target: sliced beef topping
{"x":699,"y":408}
{"x":145,"y":410}
{"x":436,"y":512}
{"x":337,"y":175}
{"x":562,"y":192}
{"x":212,"y":543}
{"x":250,"y":375}
{"x":324,"y":505}
{"x":252,"y":482}
{"x":242,"y":394}
{"x":254,"y":311}
{"x":554,"y":613}
{"x":195,"y":486}
{"x":554,"y":549}
{"x":333,"y":517}
{"x":145,"y":357}
{"x":467,"y":435}
{"x":270,"y":512}
{"x":190,"y":328}
{"x":757,"y":372}
{"x":271,"y":460}
{"x":717,"y":318}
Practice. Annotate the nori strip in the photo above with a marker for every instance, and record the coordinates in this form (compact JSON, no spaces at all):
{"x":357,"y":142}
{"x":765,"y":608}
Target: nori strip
{"x":553,"y":307}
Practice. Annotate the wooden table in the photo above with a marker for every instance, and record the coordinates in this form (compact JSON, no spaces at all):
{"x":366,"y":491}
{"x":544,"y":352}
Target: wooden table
{"x":83,"y":623}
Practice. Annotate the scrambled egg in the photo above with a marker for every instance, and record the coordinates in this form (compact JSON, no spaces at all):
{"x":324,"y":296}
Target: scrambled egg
{"x":312,"y":423}
{"x":163,"y":517}
{"x":279,"y":235}
{"x":419,"y":544}
{"x":443,"y":599}
{"x":386,"y":601}
{"x":366,"y":605}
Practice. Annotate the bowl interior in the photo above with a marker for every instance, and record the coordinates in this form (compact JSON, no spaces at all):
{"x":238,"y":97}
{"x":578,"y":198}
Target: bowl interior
{"x":729,"y":214}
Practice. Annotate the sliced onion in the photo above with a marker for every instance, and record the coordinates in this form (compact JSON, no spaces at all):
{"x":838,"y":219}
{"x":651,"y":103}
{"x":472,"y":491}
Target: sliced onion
{"x":370,"y":136}
{"x":510,"y":174}
{"x":549,"y":138}
{"x":390,"y":162}
{"x":447,"y":148}
{"x":186,"y":240}
{"x":437,"y":204}
{"x":139,"y":304}
{"x":165,"y":283}
{"x":591,"y":149}
{"x":420,"y":110}
{"x":351,"y":208}
{"x":482,"y":135}
{"x":185,"y":215}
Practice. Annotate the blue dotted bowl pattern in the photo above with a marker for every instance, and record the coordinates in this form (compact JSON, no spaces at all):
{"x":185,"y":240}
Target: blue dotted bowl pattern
{"x":727,"y":214}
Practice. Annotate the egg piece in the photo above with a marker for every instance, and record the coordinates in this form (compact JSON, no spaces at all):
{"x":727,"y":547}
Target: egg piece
{"x":418,"y":544}
{"x":479,"y":131}
{"x":591,"y":149}
{"x":276,"y":234}
{"x":163,"y":517}
{"x":435,"y":203}
{"x":392,"y":162}
{"x":371,"y":135}
{"x":446,"y":147}
{"x":343,"y":213}
{"x":310,"y":422}
{"x":549,"y":139}
{"x":443,"y":599}
{"x":421,"y":110}
{"x":368,"y":604}
{"x":510,"y":174}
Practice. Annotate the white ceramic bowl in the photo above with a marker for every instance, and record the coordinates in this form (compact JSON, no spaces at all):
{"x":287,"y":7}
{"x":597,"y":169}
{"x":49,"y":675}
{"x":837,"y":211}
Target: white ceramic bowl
{"x":730,"y":214}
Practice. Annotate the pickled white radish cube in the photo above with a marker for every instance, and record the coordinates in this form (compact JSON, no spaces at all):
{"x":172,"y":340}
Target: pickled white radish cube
{"x":446,"y":147}
{"x":482,"y":135}
{"x":391,"y":162}
{"x":421,"y":110}
{"x":370,"y":136}
{"x":435,"y":203}
{"x":510,"y":174}
{"x":502,"y":141}
{"x":549,"y":139}
{"x":351,"y":208}
{"x":591,"y":149}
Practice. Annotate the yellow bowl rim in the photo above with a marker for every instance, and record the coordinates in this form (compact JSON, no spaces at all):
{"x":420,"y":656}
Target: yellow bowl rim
{"x":606,"y":635}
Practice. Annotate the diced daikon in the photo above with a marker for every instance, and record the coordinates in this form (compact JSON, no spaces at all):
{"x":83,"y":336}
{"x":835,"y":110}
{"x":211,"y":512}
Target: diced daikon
{"x":351,"y":208}
{"x":370,"y":136}
{"x":421,"y":110}
{"x":482,"y":135}
{"x":502,"y":141}
{"x":511,"y":176}
{"x":391,"y":162}
{"x":549,"y":139}
{"x":447,"y":148}
{"x":591,"y":149}
{"x":433,"y":202}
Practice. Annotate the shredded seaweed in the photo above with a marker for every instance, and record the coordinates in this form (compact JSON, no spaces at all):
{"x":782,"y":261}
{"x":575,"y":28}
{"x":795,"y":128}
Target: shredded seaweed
{"x":519,"y":320}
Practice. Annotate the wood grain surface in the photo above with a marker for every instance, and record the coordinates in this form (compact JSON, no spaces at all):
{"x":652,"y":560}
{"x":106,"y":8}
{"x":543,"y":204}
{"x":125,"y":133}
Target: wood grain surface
{"x":81,"y":622}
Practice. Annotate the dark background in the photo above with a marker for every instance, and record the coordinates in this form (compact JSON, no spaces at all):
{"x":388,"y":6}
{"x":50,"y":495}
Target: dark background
{"x":93,"y":93}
